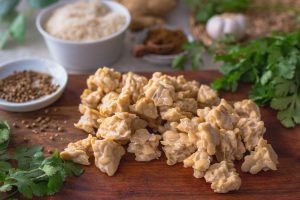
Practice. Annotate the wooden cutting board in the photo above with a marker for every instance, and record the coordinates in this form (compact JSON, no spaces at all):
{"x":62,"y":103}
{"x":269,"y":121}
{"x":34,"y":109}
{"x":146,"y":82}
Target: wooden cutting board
{"x":155,"y":179}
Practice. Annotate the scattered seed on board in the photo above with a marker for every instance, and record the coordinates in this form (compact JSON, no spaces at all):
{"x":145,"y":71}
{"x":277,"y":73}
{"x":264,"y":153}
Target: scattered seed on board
{"x":35,"y":131}
{"x":51,"y":138}
{"x":65,"y":122}
{"x":24,"y":122}
{"x":50,"y":151}
{"x":25,"y":139}
{"x":15,"y":125}
{"x":56,"y":135}
{"x":46,"y":111}
{"x":60,"y":129}
{"x":28,"y":126}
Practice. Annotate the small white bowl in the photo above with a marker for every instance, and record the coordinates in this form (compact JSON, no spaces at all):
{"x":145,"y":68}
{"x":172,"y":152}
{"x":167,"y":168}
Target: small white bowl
{"x":59,"y":74}
{"x":84,"y":56}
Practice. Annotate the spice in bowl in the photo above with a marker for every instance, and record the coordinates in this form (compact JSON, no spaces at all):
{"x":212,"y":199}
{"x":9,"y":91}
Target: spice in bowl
{"x":84,"y":21}
{"x":161,"y":41}
{"x":26,"y":86}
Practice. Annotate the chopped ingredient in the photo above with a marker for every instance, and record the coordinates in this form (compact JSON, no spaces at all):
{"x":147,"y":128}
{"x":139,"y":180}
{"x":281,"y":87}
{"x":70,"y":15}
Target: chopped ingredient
{"x":191,"y":122}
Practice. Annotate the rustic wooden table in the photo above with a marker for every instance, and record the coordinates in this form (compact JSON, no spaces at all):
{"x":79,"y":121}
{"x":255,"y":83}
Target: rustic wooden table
{"x":155,"y":179}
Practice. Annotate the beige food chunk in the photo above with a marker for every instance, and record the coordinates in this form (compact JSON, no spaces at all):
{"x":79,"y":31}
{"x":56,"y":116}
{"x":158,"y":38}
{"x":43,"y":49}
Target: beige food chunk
{"x":91,"y":98}
{"x":222,"y":116}
{"x":187,"y":105}
{"x":107,"y":155}
{"x":251,"y":131}
{"x":208,"y":96}
{"x":105,"y":78}
{"x":231,"y":146}
{"x":209,"y":138}
{"x":134,"y":84}
{"x":80,"y":151}
{"x":145,"y":107}
{"x":144,"y":145}
{"x":223,"y":177}
{"x":88,"y":121}
{"x":199,"y":161}
{"x":263,"y":158}
{"x":161,"y":90}
{"x":176,"y":146}
{"x":247,"y":109}
{"x":189,"y":125}
{"x":189,"y":89}
{"x":112,"y":102}
{"x":202,"y":113}
{"x":117,"y":127}
{"x":174,"y":114}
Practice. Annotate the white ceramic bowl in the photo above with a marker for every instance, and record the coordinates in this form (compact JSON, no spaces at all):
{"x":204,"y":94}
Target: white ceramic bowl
{"x":59,"y":74}
{"x":85,"y":56}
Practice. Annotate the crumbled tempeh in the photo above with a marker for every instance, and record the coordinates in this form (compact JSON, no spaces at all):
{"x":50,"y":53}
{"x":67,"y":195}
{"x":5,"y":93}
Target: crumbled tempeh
{"x":145,"y":108}
{"x":187,"y":104}
{"x":199,"y":161}
{"x":209,"y":138}
{"x":112,"y":102}
{"x":231,"y":146}
{"x":262,"y":158}
{"x":134,"y":84}
{"x":251,"y":131}
{"x":105,"y":78}
{"x":80,"y":151}
{"x":207,"y":96}
{"x":222,"y":116}
{"x":176,"y":146}
{"x":89,"y":120}
{"x":247,"y":109}
{"x":174,"y":114}
{"x":202,"y":113}
{"x":117,"y":127}
{"x":189,"y":125}
{"x":91,"y":98}
{"x":223,"y":177}
{"x":107,"y":155}
{"x":144,"y":145}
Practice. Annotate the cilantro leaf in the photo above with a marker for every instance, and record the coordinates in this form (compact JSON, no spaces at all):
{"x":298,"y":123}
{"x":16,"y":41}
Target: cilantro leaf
{"x":17,"y":28}
{"x":4,"y":136}
{"x":272,"y":65}
{"x":41,"y":3}
{"x":7,"y":6}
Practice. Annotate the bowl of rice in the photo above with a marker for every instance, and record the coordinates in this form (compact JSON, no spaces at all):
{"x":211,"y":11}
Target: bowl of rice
{"x":81,"y":35}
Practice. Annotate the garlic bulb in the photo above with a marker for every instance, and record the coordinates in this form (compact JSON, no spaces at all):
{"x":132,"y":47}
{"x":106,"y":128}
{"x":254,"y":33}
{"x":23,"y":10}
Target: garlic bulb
{"x":219,"y":26}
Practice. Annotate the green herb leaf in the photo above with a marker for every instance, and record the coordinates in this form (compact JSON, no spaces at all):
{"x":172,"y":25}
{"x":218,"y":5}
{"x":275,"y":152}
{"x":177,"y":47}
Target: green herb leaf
{"x":41,"y":3}
{"x":4,"y":136}
{"x":4,"y":39}
{"x":17,"y":28}
{"x":272,"y":65}
{"x":178,"y":62}
{"x":7,"y":6}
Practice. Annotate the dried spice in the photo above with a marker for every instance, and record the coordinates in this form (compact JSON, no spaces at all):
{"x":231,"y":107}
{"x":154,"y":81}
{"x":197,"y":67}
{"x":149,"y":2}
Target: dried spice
{"x":26,"y":86}
{"x":161,"y":41}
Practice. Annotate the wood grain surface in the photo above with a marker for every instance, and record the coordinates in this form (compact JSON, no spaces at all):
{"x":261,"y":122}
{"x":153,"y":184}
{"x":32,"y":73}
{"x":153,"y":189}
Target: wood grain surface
{"x":155,"y":179}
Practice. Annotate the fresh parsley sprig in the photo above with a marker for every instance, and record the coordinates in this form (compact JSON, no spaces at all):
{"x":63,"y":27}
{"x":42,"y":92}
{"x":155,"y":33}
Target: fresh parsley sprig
{"x":272,"y":65}
{"x":205,"y":9}
{"x":34,"y":174}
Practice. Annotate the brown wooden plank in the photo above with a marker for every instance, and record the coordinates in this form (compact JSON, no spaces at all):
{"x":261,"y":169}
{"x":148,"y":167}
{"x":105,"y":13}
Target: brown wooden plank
{"x":155,"y":179}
